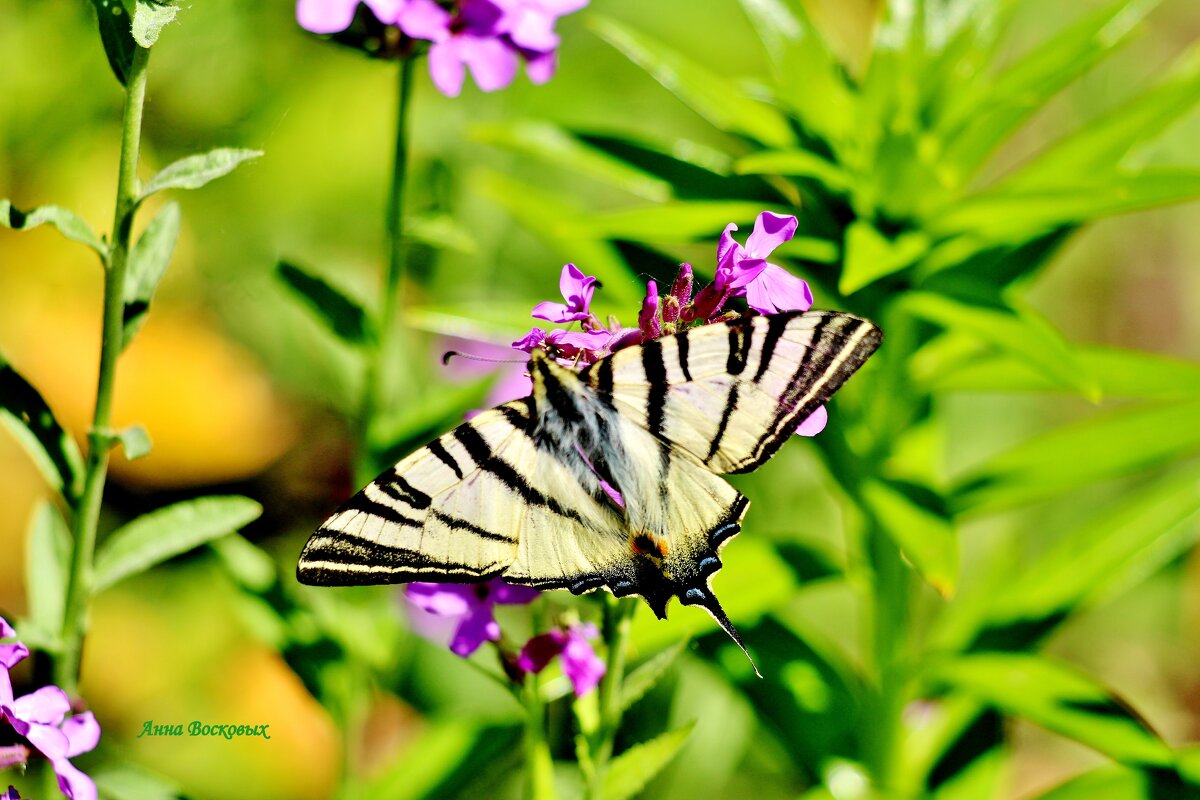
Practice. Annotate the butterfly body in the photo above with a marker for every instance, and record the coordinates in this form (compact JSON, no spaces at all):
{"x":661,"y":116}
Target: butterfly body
{"x":604,"y":478}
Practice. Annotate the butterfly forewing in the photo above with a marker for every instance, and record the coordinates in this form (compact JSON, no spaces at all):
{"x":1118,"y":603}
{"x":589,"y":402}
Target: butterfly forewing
{"x":731,"y":394}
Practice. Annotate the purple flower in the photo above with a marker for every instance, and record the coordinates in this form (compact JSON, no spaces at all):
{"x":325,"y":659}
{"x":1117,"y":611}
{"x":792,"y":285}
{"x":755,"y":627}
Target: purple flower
{"x":648,"y":319}
{"x":577,"y":289}
{"x":745,"y":272}
{"x":471,"y":604}
{"x":581,"y":347}
{"x":11,"y":794}
{"x":332,"y":16}
{"x":580,"y":663}
{"x":38,"y":718}
{"x":529,"y":25}
{"x":469,"y":39}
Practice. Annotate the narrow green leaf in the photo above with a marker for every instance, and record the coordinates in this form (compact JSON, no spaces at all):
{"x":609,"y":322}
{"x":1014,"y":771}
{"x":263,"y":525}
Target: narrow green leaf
{"x":25,"y":413}
{"x":136,"y":442}
{"x":871,"y":256}
{"x":1059,"y":699}
{"x":705,"y":92}
{"x":643,"y":678}
{"x":1113,"y":444}
{"x":554,"y":145}
{"x":1112,"y":782}
{"x":113,"y":21}
{"x":442,"y":232}
{"x":927,"y":539}
{"x":68,"y":223}
{"x":127,"y":782}
{"x":167,"y":532}
{"x":148,"y":260}
{"x":149,"y":18}
{"x":776,"y":25}
{"x":1119,"y":372}
{"x":676,"y":222}
{"x":1114,"y":549}
{"x":798,"y":163}
{"x":628,"y":773}
{"x":248,"y":564}
{"x":1018,"y":333}
{"x":343,"y":316}
{"x":1013,"y":215}
{"x":193,"y":172}
{"x":46,"y":564}
{"x":556,"y":220}
{"x":980,"y":120}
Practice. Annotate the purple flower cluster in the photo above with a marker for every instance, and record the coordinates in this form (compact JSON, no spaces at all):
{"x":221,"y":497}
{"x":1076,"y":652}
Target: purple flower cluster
{"x":488,"y":37}
{"x":40,"y":720}
{"x":470,"y":607}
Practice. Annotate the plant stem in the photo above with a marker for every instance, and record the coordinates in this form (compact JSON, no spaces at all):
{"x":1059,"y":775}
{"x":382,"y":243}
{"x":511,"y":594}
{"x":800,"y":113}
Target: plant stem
{"x":366,"y":467}
{"x":87,"y":516}
{"x":618,"y":617}
{"x":890,"y":598}
{"x":538,"y":761}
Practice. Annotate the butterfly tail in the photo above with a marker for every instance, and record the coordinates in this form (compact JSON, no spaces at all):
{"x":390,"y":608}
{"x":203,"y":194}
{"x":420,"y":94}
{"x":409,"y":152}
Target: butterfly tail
{"x":708,"y":601}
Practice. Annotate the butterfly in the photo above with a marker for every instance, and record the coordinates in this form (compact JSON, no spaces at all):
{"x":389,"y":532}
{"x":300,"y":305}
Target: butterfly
{"x":604,"y":478}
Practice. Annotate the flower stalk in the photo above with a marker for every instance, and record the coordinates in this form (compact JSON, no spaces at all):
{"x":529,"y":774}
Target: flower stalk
{"x":618,"y":619}
{"x":366,"y":468}
{"x":100,"y":437}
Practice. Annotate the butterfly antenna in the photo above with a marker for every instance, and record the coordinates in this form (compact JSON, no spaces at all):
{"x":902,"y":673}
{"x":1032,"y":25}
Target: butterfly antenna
{"x":709,"y":602}
{"x":449,"y":354}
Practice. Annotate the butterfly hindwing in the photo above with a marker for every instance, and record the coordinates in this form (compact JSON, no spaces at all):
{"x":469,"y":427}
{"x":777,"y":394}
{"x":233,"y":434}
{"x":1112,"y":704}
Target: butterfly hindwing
{"x":731,"y":394}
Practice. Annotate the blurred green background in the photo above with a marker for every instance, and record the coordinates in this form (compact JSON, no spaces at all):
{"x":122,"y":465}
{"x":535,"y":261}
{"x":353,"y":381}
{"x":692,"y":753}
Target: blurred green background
{"x":241,"y":389}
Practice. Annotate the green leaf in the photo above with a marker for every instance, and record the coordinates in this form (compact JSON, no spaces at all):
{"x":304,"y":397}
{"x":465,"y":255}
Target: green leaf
{"x":422,"y":418}
{"x":1103,"y":143}
{"x":1118,"y":546}
{"x":195,"y":171}
{"x":1021,"y":334}
{"x":705,"y":92}
{"x":113,"y":21}
{"x":136,"y":442}
{"x":1111,"y":782}
{"x":149,"y":18}
{"x":675,"y":222}
{"x":628,"y":773}
{"x":927,"y":539}
{"x":1108,"y":445}
{"x":871,"y":256}
{"x":127,"y":782}
{"x":248,"y":564}
{"x":441,"y":231}
{"x":980,"y":120}
{"x":167,"y":532}
{"x":46,"y":564}
{"x":25,"y":413}
{"x":343,"y":316}
{"x":554,"y":145}
{"x":1118,"y":372}
{"x":645,"y":675}
{"x":68,"y":223}
{"x":148,"y":260}
{"x":797,"y":163}
{"x":1013,"y":215}
{"x":1059,"y":699}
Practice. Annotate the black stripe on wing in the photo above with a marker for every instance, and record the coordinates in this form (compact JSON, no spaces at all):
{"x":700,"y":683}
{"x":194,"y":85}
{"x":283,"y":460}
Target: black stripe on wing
{"x":338,"y":558}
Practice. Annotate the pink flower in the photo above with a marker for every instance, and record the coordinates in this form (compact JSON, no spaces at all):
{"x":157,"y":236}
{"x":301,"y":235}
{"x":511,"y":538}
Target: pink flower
{"x":580,"y":663}
{"x":648,"y":319}
{"x":745,"y":271}
{"x":332,"y":16}
{"x":471,"y":605}
{"x":40,"y":718}
{"x":577,"y":289}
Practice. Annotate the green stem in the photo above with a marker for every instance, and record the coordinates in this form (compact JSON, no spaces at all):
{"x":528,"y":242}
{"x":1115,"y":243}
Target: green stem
{"x":366,"y":467}
{"x":87,"y":517}
{"x":890,"y":598}
{"x":618,"y":619}
{"x":538,"y":761}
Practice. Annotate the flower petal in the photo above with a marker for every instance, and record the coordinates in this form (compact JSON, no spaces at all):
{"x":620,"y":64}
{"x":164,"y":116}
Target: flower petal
{"x":73,"y":783}
{"x":446,"y":67}
{"x":540,"y":67}
{"x":12,"y":654}
{"x":770,"y":231}
{"x":775,"y":289}
{"x":386,"y":11}
{"x":532,"y":340}
{"x":512,"y":595}
{"x":555,"y":312}
{"x":325,"y":16}
{"x":648,"y":319}
{"x":424,"y":19}
{"x":532,"y":29}
{"x":47,"y":706}
{"x":727,"y":249}
{"x":580,"y":663}
{"x":47,"y":739}
{"x":493,"y":63}
{"x":814,"y":423}
{"x":481,"y":17}
{"x":82,"y":732}
{"x":540,"y":650}
{"x":443,"y":599}
{"x":559,"y":8}
{"x":576,"y":288}
{"x":477,"y":627}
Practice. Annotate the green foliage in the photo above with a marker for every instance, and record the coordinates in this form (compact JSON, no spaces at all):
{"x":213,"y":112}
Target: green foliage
{"x":68,"y":223}
{"x":148,"y":262}
{"x":46,"y":561}
{"x":344,"y":317}
{"x":629,"y":772}
{"x":26,"y":415}
{"x":195,"y":171}
{"x":167,"y":532}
